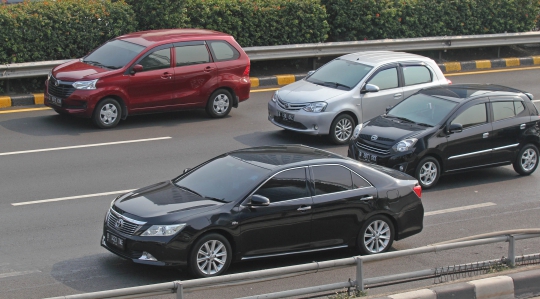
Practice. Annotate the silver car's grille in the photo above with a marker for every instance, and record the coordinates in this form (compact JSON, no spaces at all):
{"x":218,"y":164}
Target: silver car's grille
{"x":290,"y":106}
{"x":372,"y":149}
{"x":122,"y":224}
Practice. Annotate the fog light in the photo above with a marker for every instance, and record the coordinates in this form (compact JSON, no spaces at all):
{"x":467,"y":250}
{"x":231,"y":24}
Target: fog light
{"x":315,"y":127}
{"x":147,"y":257}
{"x":103,"y":240}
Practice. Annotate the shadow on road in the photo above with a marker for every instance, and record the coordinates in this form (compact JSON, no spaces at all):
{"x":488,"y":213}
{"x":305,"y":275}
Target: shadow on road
{"x":476,"y":178}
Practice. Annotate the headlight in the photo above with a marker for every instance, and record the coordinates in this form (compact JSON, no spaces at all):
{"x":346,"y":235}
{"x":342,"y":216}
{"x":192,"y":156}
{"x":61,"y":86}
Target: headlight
{"x":163,"y":230}
{"x":85,"y":84}
{"x":275,"y":97}
{"x":356,"y":131}
{"x":316,"y":107}
{"x":404,"y":145}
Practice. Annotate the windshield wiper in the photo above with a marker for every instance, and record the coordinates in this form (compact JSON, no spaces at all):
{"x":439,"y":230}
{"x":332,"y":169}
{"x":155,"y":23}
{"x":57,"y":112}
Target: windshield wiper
{"x":216,"y":199}
{"x":401,"y":118}
{"x":424,"y":125}
{"x":336,"y":84}
{"x":187,"y":189}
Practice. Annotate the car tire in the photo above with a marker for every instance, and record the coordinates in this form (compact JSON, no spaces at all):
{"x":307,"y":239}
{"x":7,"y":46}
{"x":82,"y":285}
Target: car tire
{"x":428,"y":172}
{"x":210,"y":256}
{"x":107,"y":113}
{"x":376,"y":236}
{"x":219,"y":104}
{"x":341,"y":129}
{"x":527,"y":160}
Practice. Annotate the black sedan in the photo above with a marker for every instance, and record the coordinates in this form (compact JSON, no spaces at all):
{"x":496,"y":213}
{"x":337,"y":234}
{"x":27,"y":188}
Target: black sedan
{"x":451,"y":129}
{"x":263,"y":202}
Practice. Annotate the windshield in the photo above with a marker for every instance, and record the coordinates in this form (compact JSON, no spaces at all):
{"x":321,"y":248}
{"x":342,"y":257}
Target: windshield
{"x":114,"y":54}
{"x":339,"y":73}
{"x":423,"y":109}
{"x":225,"y":179}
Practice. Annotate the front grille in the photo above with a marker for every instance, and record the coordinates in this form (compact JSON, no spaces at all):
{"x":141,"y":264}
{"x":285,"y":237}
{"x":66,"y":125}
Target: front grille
{"x":290,"y":106}
{"x":289,"y":123}
{"x":373,"y":149}
{"x":368,"y":137}
{"x":127,"y":226}
{"x":63,"y":90}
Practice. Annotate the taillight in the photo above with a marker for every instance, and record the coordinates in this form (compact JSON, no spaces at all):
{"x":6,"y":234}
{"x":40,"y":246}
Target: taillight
{"x":448,"y":81}
{"x":246,"y":71}
{"x":418,"y":190}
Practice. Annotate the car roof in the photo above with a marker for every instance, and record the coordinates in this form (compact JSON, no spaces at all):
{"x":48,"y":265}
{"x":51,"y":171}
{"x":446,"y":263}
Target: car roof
{"x":164,"y":36}
{"x":461,"y":92}
{"x":381,"y":57}
{"x":277,"y":156}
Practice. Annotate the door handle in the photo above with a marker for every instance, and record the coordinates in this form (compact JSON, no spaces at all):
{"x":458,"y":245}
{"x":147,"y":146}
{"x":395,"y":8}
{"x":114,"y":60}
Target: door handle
{"x":304,"y":208}
{"x":485,"y":135}
{"x":397,"y":95}
{"x":522,"y":126}
{"x":166,"y":76}
{"x":208,"y":69}
{"x":366,"y":198}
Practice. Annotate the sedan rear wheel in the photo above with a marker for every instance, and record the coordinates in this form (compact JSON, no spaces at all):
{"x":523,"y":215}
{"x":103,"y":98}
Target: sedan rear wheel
{"x":527,"y":160}
{"x":376,"y":235}
{"x":211,"y":256}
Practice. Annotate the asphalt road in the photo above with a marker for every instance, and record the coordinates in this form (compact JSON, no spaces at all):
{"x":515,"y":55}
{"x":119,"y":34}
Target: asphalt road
{"x":51,"y":248}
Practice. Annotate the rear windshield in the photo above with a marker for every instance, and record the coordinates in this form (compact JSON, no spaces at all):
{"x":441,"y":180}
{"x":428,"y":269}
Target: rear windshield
{"x":113,"y":54}
{"x":339,"y":73}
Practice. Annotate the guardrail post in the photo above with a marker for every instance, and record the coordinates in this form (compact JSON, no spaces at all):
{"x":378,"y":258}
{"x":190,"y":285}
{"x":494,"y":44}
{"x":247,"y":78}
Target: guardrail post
{"x":359,"y":274}
{"x":511,"y":252}
{"x":179,"y":289}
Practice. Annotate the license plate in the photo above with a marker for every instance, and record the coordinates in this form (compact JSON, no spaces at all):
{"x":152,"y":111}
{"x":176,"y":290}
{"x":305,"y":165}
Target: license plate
{"x":55,"y":101}
{"x":367,"y":157}
{"x":286,"y":116}
{"x":115,"y":240}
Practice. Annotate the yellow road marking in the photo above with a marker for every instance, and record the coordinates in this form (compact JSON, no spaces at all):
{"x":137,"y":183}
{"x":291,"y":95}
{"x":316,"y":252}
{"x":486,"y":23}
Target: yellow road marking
{"x":536,"y":59}
{"x":452,"y":66}
{"x":5,"y":102}
{"x":24,"y":110}
{"x":483,"y":64}
{"x":494,"y":71}
{"x":254,"y":81}
{"x":39,"y":98}
{"x":285,"y":79}
{"x":267,"y":89}
{"x":512,"y":61}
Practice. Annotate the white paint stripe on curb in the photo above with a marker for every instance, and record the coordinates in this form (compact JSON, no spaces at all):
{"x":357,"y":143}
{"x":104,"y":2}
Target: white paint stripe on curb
{"x":499,"y":287}
{"x":418,"y":294}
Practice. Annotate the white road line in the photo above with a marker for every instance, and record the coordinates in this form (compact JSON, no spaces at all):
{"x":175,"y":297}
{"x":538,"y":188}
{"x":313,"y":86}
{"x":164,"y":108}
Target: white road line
{"x":11,"y":274}
{"x":535,"y":101}
{"x":482,"y":205}
{"x":69,"y":197}
{"x":82,"y":146}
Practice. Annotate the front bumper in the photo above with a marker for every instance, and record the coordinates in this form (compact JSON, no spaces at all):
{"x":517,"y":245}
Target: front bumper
{"x":80,"y":103}
{"x":304,"y":122}
{"x":405,"y":162}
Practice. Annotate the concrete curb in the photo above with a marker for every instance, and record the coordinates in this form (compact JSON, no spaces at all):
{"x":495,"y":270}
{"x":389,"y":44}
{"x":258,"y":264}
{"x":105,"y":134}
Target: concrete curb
{"x":279,"y":80}
{"x":515,"y":285}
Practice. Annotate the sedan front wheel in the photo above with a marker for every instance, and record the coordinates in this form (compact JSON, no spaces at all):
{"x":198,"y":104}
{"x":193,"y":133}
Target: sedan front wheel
{"x":211,"y":256}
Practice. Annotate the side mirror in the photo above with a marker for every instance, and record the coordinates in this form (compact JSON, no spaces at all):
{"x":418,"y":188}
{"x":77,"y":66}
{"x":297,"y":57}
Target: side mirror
{"x":310,"y":73}
{"x":370,"y":88}
{"x":455,"y":128}
{"x":258,"y":201}
{"x":186,"y":170}
{"x":389,"y":108}
{"x":137,"y":68}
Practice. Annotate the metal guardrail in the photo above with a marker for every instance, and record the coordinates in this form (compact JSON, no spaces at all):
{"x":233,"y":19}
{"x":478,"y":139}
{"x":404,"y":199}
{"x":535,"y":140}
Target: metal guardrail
{"x":178,"y":287}
{"x":35,"y":69}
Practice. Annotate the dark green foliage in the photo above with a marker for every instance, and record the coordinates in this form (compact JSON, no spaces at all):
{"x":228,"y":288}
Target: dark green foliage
{"x":159,"y":14}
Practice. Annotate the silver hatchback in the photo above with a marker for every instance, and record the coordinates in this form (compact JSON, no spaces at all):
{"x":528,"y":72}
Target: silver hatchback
{"x":350,"y":90}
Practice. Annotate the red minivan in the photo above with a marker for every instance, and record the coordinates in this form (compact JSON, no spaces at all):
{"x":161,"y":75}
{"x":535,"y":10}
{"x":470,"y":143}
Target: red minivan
{"x":152,"y":71}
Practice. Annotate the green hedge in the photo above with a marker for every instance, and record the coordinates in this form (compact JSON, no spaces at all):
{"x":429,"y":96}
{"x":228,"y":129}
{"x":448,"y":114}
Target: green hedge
{"x":159,"y":14}
{"x":61,"y":29}
{"x":262,"y":22}
{"x":377,"y":19}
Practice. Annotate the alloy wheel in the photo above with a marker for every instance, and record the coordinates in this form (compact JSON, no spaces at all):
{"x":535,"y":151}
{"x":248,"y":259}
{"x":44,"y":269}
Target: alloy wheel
{"x":428,"y":173}
{"x":344,"y":129}
{"x":221,"y":103}
{"x":108,"y":114}
{"x":377,"y":236}
{"x":211,"y":257}
{"x":528,"y":159}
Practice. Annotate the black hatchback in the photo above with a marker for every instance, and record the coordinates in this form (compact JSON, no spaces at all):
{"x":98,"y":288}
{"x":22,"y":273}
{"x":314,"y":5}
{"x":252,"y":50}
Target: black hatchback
{"x":263,"y":202}
{"x":454,"y":128}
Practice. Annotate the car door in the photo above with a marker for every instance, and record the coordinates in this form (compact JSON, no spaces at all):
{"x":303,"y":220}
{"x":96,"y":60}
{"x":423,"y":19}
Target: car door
{"x":195,"y":74}
{"x":390,"y":92}
{"x":510,"y":121}
{"x":471,"y":147}
{"x":153,"y":87}
{"x":285,"y":224}
{"x":341,"y":201}
{"x":415,"y":77}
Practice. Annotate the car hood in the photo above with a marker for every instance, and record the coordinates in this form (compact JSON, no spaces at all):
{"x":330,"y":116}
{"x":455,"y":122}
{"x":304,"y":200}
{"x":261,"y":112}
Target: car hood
{"x":163,"y":199}
{"x":305,"y":92}
{"x":390,"y":131}
{"x":76,"y":70}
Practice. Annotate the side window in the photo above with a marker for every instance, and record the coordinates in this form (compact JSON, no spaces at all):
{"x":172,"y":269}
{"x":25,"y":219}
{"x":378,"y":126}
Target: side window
{"x":385,"y":79}
{"x":331,"y":179}
{"x":359,"y":182}
{"x":474,"y":115}
{"x":287,"y":185}
{"x":417,"y":74}
{"x":159,"y":59}
{"x":502,"y":110}
{"x":194,"y":54}
{"x":222,"y":50}
{"x":519,"y":107}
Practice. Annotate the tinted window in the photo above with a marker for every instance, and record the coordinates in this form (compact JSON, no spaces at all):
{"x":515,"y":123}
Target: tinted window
{"x":331,"y":179}
{"x":518,"y":106}
{"x":230,"y":178}
{"x":286,"y":185}
{"x":114,"y":54}
{"x":223,"y":51}
{"x":422,"y":108}
{"x":416,"y":75}
{"x":473,"y":116}
{"x":340,"y":73}
{"x":159,"y":59}
{"x":502,"y":110}
{"x":359,"y":182}
{"x":385,"y":79}
{"x":188,"y":55}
